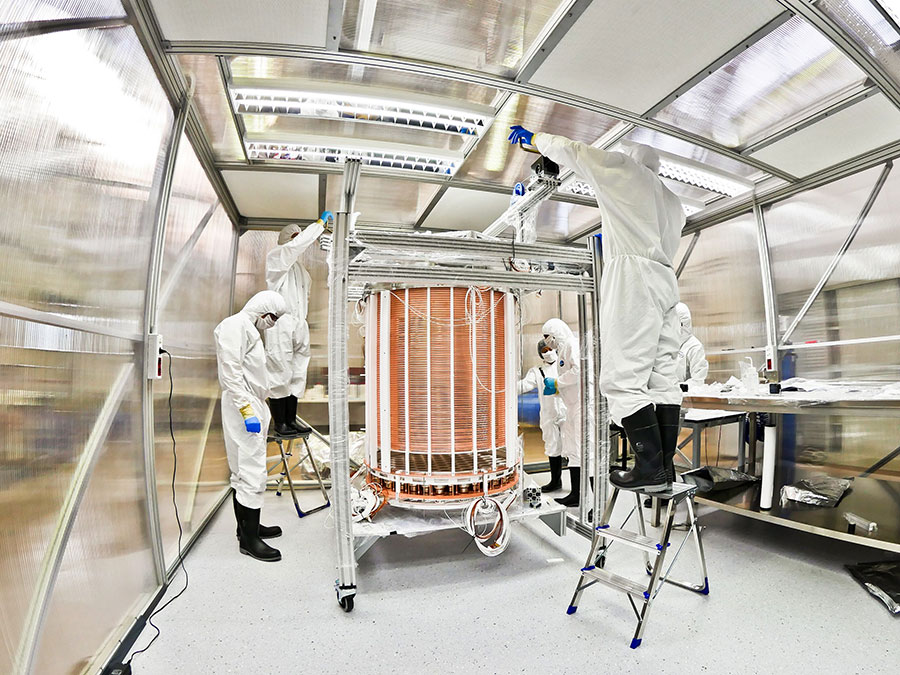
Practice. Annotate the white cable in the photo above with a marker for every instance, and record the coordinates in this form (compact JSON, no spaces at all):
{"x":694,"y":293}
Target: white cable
{"x":499,"y":533}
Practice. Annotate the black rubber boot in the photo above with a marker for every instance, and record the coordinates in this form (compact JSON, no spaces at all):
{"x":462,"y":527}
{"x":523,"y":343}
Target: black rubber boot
{"x":574,"y":497}
{"x":265,"y":531}
{"x":669,"y":419}
{"x":250,"y":542}
{"x":279,"y":417}
{"x":648,"y":473}
{"x":290,"y":416}
{"x":555,"y":475}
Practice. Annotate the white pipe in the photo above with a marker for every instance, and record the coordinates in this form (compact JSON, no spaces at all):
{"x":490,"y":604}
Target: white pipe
{"x":372,"y":380}
{"x":384,"y":379}
{"x":767,"y":489}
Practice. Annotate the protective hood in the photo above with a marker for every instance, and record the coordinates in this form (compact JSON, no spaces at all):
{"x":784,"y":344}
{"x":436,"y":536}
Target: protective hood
{"x":264,"y":302}
{"x":684,"y":317}
{"x":287,"y":232}
{"x":643,"y":155}
{"x":559,"y":330}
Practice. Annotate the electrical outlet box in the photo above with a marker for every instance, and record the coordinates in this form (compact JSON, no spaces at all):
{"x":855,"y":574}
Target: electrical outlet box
{"x":154,"y":356}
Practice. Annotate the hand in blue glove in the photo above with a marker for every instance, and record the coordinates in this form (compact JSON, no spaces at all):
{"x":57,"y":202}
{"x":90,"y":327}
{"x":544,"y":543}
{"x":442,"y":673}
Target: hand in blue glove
{"x":520,"y":135}
{"x":252,"y":425}
{"x":550,"y":388}
{"x":326,"y":216}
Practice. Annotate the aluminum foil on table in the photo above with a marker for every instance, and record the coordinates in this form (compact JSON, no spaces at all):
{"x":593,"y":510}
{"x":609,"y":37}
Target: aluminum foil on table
{"x":816,"y":490}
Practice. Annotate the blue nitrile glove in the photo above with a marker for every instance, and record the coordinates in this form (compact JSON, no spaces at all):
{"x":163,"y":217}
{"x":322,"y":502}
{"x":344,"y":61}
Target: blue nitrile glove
{"x":326,"y":216}
{"x":520,"y":134}
{"x":252,"y":425}
{"x":550,"y":388}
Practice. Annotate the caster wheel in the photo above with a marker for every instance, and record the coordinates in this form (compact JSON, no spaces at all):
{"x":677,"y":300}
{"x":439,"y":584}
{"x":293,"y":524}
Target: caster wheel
{"x":346,"y":603}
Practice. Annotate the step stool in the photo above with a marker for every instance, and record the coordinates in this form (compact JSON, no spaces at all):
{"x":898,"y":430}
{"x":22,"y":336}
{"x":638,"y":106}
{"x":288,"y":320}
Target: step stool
{"x":604,"y":536}
{"x":286,"y":470}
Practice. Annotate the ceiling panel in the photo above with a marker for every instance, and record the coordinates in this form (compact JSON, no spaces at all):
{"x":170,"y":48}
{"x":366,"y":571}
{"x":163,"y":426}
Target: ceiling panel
{"x":297,"y":22}
{"x":787,"y":75}
{"x":864,"y":126}
{"x":460,"y":209}
{"x":494,"y":160}
{"x":557,"y":221}
{"x":633,"y":54}
{"x":384,"y":201}
{"x":493,"y":36}
{"x":211,"y":103}
{"x":314,"y":71}
{"x":267,"y":194}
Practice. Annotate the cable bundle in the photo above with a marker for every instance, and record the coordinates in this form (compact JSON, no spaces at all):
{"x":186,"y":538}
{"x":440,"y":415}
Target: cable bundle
{"x":493,"y":542}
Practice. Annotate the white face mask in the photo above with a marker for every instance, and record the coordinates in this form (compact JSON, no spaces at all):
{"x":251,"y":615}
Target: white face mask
{"x":550,"y":357}
{"x":265,"y":322}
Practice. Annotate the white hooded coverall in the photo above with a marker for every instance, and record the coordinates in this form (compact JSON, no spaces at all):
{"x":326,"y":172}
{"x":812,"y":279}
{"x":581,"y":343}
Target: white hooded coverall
{"x":287,"y":342}
{"x":569,"y":385}
{"x":553,"y":410}
{"x":692,"y":364}
{"x":242,"y":377}
{"x":642,"y":222}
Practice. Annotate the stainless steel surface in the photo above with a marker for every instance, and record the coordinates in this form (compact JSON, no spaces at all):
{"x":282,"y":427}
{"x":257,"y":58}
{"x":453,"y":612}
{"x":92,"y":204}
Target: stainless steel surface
{"x":338,"y":411}
{"x":494,"y":37}
{"x":796,"y":404}
{"x":770,"y":307}
{"x":786,"y":75}
{"x":470,"y":77}
{"x":601,"y":416}
{"x":826,"y":275}
{"x":151,"y":327}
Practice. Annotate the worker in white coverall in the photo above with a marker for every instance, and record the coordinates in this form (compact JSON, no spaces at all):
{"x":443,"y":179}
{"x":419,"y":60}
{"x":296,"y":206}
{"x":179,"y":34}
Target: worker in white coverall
{"x":245,"y":419}
{"x":642,"y":222}
{"x":287,"y":343}
{"x":553,"y":411}
{"x":692,"y":364}
{"x":567,"y":386}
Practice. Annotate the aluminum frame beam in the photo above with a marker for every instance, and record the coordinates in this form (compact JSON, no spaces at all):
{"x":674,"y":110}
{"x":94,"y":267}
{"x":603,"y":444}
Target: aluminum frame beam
{"x":768,"y":283}
{"x":826,"y":275}
{"x":375,"y":274}
{"x":465,"y":76}
{"x":14,"y":31}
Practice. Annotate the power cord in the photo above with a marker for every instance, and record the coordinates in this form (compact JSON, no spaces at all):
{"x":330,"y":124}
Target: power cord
{"x":177,"y":520}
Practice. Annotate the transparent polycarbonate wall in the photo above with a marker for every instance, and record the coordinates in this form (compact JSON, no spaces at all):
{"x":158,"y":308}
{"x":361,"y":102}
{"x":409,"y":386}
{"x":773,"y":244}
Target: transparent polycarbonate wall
{"x":80,"y":180}
{"x":722,"y":285}
{"x":194,"y":297}
{"x":861,"y":298}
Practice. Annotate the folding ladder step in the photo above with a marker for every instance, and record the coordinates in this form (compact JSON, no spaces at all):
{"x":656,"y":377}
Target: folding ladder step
{"x":615,"y":581}
{"x":630,"y":538}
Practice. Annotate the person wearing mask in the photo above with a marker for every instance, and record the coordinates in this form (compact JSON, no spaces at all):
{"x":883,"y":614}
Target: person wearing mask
{"x":567,"y":385}
{"x":553,"y":412}
{"x":245,"y":419}
{"x":692,"y":364}
{"x":642,"y":223}
{"x":287,"y":344}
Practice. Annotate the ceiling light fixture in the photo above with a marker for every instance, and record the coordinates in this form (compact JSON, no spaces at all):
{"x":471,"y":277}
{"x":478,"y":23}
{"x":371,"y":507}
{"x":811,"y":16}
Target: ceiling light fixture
{"x":879,"y":16}
{"x":579,"y":187}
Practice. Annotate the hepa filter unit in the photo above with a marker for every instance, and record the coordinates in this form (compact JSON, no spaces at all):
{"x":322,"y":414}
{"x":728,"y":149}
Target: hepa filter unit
{"x":441,"y":369}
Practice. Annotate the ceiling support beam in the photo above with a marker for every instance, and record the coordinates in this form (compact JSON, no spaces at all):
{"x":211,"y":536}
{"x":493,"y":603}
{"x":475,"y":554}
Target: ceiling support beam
{"x":471,"y":77}
{"x":557,"y":33}
{"x":16,"y":30}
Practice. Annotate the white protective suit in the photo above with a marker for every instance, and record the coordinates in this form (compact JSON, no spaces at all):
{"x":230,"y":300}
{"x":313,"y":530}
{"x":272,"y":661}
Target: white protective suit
{"x":642,"y":222}
{"x":287,"y":342}
{"x":569,"y":384}
{"x":553,"y":410}
{"x":692,"y":364}
{"x":244,"y":382}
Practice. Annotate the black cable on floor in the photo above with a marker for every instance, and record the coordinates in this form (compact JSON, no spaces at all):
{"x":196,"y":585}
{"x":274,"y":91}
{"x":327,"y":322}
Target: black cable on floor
{"x":177,"y":520}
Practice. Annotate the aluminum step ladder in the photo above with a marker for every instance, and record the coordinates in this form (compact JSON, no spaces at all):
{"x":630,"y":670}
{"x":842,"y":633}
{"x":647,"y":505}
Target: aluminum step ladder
{"x":641,"y":594}
{"x":286,"y":469}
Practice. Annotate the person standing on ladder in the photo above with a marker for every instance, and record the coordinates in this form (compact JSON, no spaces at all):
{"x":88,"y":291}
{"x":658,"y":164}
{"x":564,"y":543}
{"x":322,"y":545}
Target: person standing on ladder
{"x":642,"y":222}
{"x":287,"y":343}
{"x":553,"y":412}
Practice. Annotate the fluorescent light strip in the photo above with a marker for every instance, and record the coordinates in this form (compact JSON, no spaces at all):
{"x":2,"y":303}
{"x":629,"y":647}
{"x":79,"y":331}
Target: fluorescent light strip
{"x":579,"y":187}
{"x":355,"y":109}
{"x":872,"y":17}
{"x":698,"y":177}
{"x":260,"y":150}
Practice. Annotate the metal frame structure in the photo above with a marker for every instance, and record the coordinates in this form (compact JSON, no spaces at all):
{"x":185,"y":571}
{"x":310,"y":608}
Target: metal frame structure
{"x":344,"y":273}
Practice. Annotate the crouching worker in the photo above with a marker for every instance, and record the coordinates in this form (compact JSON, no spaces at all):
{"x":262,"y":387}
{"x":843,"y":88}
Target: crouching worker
{"x":245,"y":417}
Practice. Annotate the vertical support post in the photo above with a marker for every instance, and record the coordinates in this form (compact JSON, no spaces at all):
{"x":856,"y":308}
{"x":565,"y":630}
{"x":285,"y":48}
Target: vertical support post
{"x":235,"y":247}
{"x":428,"y":371}
{"x":601,"y":412}
{"x":768,"y":282}
{"x":452,"y":392}
{"x":151,"y":326}
{"x":338,"y":409}
{"x":474,"y":354}
{"x":511,"y":360}
{"x":372,"y":375}
{"x":384,"y":380}
{"x":493,"y":390}
{"x":586,"y":411}
{"x":406,"y":378}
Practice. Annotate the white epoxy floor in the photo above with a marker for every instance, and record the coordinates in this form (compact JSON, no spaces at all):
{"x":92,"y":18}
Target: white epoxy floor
{"x":780,"y":602}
